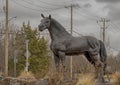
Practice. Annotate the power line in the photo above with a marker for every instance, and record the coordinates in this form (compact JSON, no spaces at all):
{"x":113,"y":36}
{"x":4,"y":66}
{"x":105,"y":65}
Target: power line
{"x":21,"y":5}
{"x":104,"y":27}
{"x":85,"y":15}
{"x":89,"y":13}
{"x":36,"y":5}
{"x":112,"y":30}
{"x":37,"y":10}
{"x":116,"y":26}
{"x":51,"y":4}
{"x":46,"y":8}
{"x":77,"y":33}
{"x":62,"y":1}
{"x":114,"y":48}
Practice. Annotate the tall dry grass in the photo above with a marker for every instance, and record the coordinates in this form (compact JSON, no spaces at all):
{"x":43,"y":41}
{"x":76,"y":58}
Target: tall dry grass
{"x":86,"y":79}
{"x":116,"y":78}
{"x":27,"y":76}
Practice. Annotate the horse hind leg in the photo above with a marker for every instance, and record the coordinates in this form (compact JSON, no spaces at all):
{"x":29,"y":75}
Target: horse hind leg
{"x":87,"y":55}
{"x":99,"y":66}
{"x":104,"y":63}
{"x":91,"y":60}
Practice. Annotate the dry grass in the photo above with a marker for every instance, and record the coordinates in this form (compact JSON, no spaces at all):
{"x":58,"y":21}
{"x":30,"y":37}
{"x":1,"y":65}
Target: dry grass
{"x":26,"y":76}
{"x":86,"y":79}
{"x":116,"y":78}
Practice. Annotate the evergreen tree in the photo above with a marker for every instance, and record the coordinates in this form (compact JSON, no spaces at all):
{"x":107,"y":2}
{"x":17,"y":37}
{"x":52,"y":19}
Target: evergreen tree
{"x":39,"y":58}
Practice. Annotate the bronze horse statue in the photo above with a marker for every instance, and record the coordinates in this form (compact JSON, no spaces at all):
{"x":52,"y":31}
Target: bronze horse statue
{"x":63,"y":43}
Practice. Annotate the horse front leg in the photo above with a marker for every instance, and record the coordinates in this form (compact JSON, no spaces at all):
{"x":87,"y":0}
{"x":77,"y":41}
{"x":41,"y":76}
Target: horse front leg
{"x":57,"y":62}
{"x":62,"y":58}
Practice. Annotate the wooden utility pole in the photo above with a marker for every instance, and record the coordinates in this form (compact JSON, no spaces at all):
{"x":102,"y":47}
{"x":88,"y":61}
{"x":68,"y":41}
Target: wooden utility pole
{"x":6,"y":41}
{"x":71,"y":21}
{"x":71,"y":30}
{"x":71,"y":15}
{"x":104,"y":27}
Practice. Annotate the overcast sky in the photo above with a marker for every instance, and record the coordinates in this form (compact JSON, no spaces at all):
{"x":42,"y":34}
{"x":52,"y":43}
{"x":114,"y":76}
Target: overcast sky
{"x":85,"y":15}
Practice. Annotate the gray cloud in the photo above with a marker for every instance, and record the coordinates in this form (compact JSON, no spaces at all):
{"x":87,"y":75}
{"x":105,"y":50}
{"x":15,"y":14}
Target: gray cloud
{"x":108,"y":1}
{"x":114,"y":12}
{"x":115,"y":15}
{"x":88,"y":5}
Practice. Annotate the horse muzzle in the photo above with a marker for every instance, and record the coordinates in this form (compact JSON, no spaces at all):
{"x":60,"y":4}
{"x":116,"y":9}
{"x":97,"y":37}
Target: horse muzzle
{"x":41,"y":28}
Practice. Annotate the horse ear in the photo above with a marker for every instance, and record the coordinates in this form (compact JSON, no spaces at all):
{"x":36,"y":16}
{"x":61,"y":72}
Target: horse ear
{"x":49,"y":16}
{"x":42,"y":16}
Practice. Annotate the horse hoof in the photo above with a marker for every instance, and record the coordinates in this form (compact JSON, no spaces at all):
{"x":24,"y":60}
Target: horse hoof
{"x":102,"y":80}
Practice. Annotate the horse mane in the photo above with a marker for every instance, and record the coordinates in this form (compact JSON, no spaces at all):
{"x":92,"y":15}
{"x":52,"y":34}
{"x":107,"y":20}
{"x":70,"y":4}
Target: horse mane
{"x":58,"y":25}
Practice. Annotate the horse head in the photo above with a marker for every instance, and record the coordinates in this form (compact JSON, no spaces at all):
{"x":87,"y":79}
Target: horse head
{"x":45,"y":23}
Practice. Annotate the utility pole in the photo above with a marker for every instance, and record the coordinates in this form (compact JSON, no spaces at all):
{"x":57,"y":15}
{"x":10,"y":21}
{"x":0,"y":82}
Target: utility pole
{"x":71,"y":31}
{"x":71,"y":23}
{"x":71,"y":17}
{"x":6,"y":41}
{"x":104,"y":27}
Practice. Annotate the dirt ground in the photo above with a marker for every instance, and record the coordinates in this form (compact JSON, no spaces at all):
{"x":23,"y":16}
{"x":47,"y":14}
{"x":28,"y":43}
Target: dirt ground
{"x":103,"y":84}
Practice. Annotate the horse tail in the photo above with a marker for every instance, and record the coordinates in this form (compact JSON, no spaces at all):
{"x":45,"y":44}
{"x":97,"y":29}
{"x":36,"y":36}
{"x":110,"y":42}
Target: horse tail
{"x":103,"y":54}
